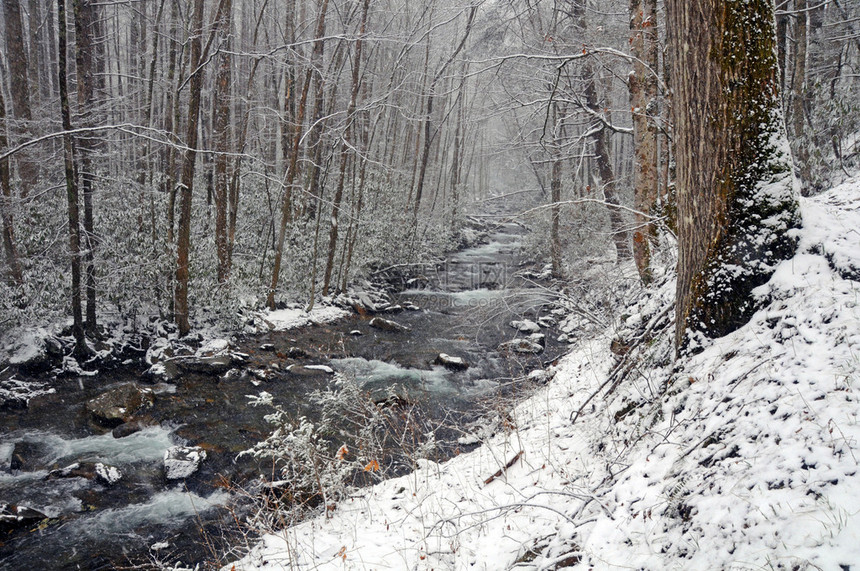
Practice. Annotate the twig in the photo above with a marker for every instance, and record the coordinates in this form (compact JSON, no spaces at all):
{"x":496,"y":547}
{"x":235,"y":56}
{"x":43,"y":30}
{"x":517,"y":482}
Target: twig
{"x":505,"y":467}
{"x":618,"y":369}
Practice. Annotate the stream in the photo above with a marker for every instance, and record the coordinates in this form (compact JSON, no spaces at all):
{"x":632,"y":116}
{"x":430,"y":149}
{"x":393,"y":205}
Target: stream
{"x":462,"y":308}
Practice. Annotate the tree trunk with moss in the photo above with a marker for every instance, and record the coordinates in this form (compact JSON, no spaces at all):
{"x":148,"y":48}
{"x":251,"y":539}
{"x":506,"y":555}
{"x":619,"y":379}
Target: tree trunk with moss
{"x":736,"y":190}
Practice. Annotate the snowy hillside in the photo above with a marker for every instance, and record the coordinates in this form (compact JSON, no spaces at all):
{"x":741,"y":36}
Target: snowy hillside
{"x":744,"y":456}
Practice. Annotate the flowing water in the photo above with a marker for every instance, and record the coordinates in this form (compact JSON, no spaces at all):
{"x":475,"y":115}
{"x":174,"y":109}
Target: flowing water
{"x":465,"y":306}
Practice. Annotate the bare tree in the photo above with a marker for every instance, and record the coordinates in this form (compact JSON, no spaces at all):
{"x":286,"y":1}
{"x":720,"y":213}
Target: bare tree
{"x":344,"y":149}
{"x":71,"y":188}
{"x":8,"y":229}
{"x":199,"y":55}
{"x":19,"y":87}
{"x":85,"y":16}
{"x":292,"y":168}
{"x":643,"y":101}
{"x":222,"y":141}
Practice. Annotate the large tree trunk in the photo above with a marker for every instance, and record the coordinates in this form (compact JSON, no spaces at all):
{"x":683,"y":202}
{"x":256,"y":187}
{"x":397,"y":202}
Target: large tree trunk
{"x":71,"y":188}
{"x":643,"y":98}
{"x":735,"y":186}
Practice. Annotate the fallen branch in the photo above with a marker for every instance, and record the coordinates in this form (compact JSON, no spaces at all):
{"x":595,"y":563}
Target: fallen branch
{"x":503,"y":468}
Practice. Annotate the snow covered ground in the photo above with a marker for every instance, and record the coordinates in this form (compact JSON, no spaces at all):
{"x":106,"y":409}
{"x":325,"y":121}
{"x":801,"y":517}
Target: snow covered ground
{"x":744,"y":456}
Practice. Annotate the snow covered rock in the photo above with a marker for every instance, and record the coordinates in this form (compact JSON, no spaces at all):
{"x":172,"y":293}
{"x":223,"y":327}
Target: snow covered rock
{"x":15,"y":394}
{"x":182,"y":461}
{"x":109,"y":475}
{"x":386,"y":325}
{"x":322,"y":368}
{"x":119,"y":404}
{"x":93,"y":471}
{"x":15,"y":517}
{"x":214,"y":365}
{"x":306,"y":370}
{"x":164,"y":371}
{"x":522,"y":346}
{"x":538,"y":338}
{"x":452,"y":363}
{"x":525,"y":326}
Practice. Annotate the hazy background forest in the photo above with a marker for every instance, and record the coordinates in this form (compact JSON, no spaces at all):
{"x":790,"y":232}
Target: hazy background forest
{"x":219,"y":155}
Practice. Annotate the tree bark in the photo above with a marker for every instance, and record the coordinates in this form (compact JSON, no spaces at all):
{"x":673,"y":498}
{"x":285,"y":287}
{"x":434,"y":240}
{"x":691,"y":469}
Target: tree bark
{"x":71,"y":188}
{"x":9,"y":246}
{"x":555,"y":193}
{"x":183,"y":243}
{"x":221,"y":135}
{"x":798,"y":90}
{"x":19,"y":90}
{"x":643,"y":101}
{"x":85,"y":15}
{"x":735,"y":185}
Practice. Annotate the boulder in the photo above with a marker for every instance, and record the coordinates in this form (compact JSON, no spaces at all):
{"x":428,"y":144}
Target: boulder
{"x":96,"y":471}
{"x":119,"y":405}
{"x":182,"y":461}
{"x":522,"y":346}
{"x":108,"y":475}
{"x":32,"y":356}
{"x":165,"y":371}
{"x":214,"y":365}
{"x":28,"y":456}
{"x":297,"y":353}
{"x":525,"y":326}
{"x":127,"y":429}
{"x":322,"y":368}
{"x":364,"y":304}
{"x":308,"y":370}
{"x":386,"y":325}
{"x":452,"y":363}
{"x":16,"y":517}
{"x":538,"y":338}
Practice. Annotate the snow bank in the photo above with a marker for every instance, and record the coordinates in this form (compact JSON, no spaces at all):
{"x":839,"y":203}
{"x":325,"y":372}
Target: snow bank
{"x":743,"y":456}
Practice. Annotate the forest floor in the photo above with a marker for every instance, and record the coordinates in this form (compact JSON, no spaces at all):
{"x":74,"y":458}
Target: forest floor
{"x":744,"y":456}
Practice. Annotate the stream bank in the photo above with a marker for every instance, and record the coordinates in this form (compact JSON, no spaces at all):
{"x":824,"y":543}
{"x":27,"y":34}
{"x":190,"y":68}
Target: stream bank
{"x":462,"y":309}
